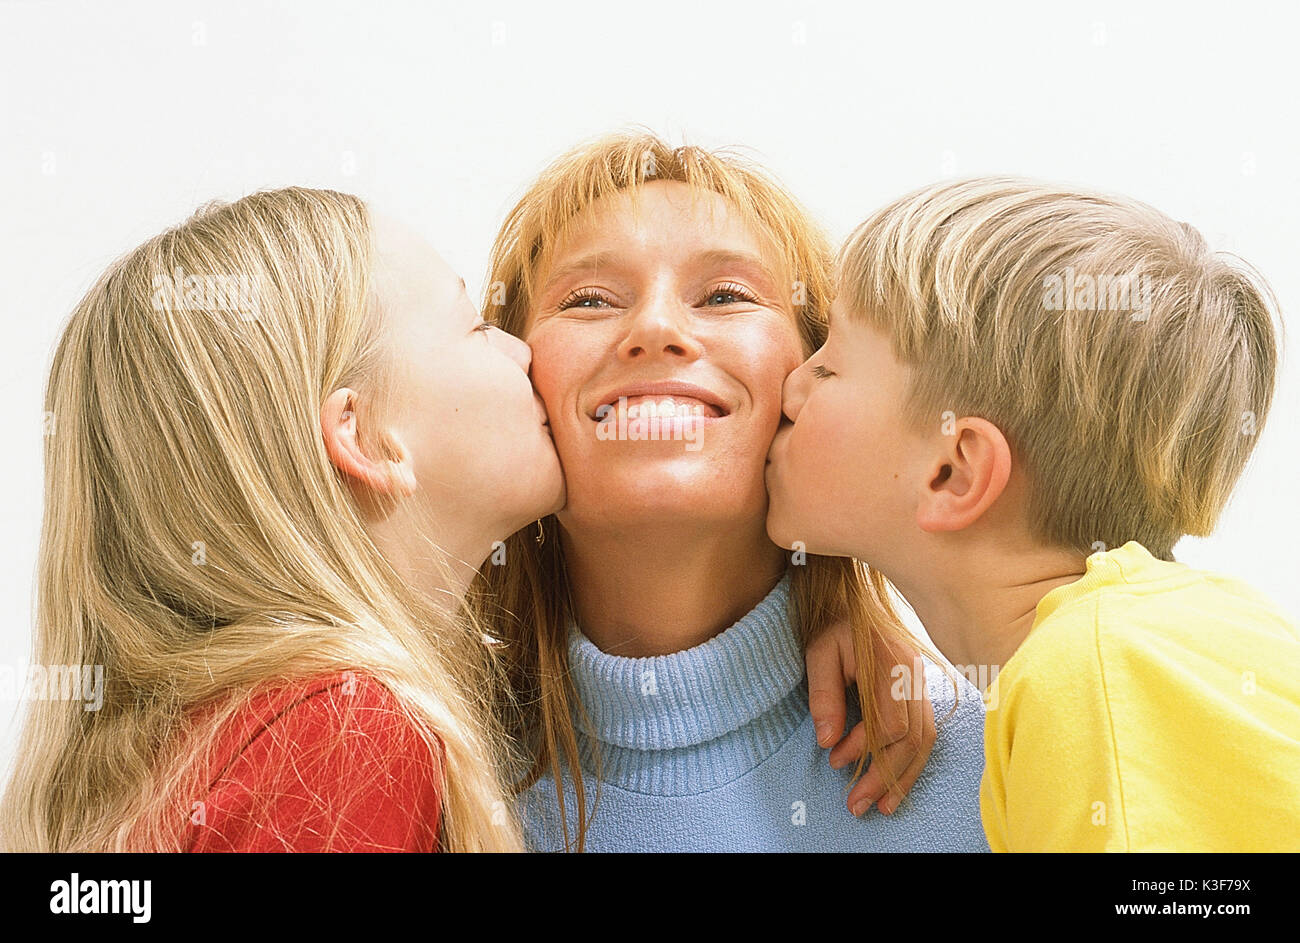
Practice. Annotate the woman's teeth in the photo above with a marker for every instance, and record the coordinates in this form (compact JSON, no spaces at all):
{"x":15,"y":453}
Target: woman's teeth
{"x":649,"y":407}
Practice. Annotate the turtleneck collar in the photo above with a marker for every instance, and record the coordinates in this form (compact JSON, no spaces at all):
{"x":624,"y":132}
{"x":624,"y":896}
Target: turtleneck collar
{"x":668,"y":702}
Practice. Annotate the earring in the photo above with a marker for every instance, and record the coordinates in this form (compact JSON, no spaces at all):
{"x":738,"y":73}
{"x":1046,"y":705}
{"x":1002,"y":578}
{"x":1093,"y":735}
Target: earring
{"x":541,"y":534}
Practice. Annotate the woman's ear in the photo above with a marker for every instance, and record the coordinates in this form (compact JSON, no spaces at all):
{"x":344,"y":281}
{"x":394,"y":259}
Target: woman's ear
{"x":968,"y":476}
{"x":394,"y":477}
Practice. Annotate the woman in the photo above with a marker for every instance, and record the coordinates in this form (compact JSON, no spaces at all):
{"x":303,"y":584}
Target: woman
{"x":281,"y":442}
{"x":657,"y":630}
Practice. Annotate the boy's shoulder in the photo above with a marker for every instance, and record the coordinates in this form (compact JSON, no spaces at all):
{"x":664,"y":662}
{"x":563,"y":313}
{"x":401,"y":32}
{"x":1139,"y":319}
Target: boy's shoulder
{"x":1132,"y":612}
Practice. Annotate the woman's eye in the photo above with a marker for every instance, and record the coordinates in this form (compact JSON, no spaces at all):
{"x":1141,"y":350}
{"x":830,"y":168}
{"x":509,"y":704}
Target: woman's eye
{"x":583,"y":298}
{"x":732,"y":294}
{"x":821,"y":372}
{"x":484,"y":326}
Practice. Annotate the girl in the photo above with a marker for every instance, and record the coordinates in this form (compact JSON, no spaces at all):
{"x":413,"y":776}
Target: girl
{"x":280,"y":442}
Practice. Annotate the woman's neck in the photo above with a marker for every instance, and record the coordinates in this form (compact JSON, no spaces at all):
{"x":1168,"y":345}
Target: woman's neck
{"x":659,"y":590}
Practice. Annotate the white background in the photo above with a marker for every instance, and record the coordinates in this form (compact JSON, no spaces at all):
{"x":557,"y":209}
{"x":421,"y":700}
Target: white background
{"x":119,"y":119}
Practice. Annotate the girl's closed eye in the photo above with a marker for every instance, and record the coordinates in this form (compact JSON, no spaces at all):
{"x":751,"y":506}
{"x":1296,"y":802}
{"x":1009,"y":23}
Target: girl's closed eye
{"x":821,"y":372}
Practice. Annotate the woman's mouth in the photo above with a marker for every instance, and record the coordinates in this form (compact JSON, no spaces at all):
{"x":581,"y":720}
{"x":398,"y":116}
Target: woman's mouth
{"x":661,"y":399}
{"x":656,"y":407}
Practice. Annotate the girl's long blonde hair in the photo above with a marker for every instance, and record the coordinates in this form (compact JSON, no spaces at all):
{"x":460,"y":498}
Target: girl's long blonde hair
{"x":199,"y":545}
{"x":529,"y":602}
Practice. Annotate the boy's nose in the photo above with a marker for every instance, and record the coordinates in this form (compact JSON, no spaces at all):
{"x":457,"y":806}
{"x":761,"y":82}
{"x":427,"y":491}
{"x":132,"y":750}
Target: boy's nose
{"x":794,"y":391}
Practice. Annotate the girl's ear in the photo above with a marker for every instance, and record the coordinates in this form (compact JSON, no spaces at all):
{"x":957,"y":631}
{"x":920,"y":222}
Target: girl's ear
{"x":393,"y":477}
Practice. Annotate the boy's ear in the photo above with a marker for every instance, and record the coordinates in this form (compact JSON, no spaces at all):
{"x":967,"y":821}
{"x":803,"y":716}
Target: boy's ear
{"x":969,"y":475}
{"x":394,"y":477}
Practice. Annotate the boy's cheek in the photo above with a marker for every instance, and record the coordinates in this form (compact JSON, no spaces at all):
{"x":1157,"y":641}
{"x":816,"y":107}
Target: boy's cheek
{"x":804,"y":462}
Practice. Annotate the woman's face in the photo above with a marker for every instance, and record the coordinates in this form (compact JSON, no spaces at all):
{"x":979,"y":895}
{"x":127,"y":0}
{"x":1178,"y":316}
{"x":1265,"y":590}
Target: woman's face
{"x":661,"y":332}
{"x":464,"y":407}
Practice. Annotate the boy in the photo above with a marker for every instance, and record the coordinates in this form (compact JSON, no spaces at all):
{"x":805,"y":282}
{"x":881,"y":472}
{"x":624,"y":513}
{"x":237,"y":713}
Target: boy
{"x":1027,"y":395}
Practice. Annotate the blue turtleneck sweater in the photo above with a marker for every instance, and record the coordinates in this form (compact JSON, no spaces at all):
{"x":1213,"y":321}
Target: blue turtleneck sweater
{"x":713,"y":749}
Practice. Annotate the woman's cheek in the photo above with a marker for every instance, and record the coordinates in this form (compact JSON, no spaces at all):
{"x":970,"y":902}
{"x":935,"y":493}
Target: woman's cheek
{"x":554,"y":355}
{"x":772,"y":349}
{"x":782,"y":357}
{"x":548,"y":381}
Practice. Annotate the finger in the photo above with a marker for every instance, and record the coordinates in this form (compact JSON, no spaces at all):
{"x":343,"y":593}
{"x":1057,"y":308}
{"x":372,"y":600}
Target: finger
{"x":893,"y":759}
{"x":867,"y":790}
{"x":929,"y":731}
{"x":925,"y":723}
{"x":890,"y":803}
{"x":898,"y":760}
{"x":851,"y":748}
{"x":904,"y":760}
{"x":897,"y":714}
{"x":826,"y":691}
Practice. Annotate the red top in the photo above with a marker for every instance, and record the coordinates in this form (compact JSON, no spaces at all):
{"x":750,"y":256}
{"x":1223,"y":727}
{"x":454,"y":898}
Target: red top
{"x":325,"y":765}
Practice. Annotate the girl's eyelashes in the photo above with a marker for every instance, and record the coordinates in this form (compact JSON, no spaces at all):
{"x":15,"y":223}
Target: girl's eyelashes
{"x":484,"y":326}
{"x":821,"y":372}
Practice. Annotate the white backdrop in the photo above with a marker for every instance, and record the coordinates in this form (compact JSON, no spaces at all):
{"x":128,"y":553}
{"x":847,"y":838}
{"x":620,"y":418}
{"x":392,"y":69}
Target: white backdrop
{"x":118,"y":119}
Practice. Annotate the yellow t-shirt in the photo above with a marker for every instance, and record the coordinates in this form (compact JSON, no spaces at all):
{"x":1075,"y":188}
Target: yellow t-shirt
{"x":1152,"y":707}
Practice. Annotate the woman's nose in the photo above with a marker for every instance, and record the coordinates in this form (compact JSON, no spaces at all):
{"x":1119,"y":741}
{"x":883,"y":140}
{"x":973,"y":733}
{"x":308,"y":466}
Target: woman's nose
{"x":660,"y":327}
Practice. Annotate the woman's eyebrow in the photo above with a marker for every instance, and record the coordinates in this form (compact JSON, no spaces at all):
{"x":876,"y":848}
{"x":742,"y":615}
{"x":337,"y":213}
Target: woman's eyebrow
{"x":710,"y":258}
{"x":586,"y":263}
{"x":730,"y":256}
{"x":721,"y":258}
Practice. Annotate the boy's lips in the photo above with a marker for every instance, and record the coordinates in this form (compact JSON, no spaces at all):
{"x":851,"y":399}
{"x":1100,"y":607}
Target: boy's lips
{"x":778,"y":443}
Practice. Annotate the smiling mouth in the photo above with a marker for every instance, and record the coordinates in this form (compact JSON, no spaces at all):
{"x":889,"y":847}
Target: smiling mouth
{"x":648,"y":406}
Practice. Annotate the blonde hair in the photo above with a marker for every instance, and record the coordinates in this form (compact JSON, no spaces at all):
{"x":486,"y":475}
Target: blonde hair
{"x":1129,"y":366}
{"x":199,"y":544}
{"x":529,"y":603}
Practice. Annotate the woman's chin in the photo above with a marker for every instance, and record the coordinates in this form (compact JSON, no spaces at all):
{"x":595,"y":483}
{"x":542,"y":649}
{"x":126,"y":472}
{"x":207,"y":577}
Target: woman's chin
{"x":646,"y":501}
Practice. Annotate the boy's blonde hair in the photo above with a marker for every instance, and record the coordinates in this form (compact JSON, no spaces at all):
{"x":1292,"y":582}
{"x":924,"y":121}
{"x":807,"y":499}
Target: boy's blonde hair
{"x":1130,"y":367}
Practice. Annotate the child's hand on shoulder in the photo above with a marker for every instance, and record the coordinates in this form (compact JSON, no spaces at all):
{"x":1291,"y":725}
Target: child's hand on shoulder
{"x":908,"y":728}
